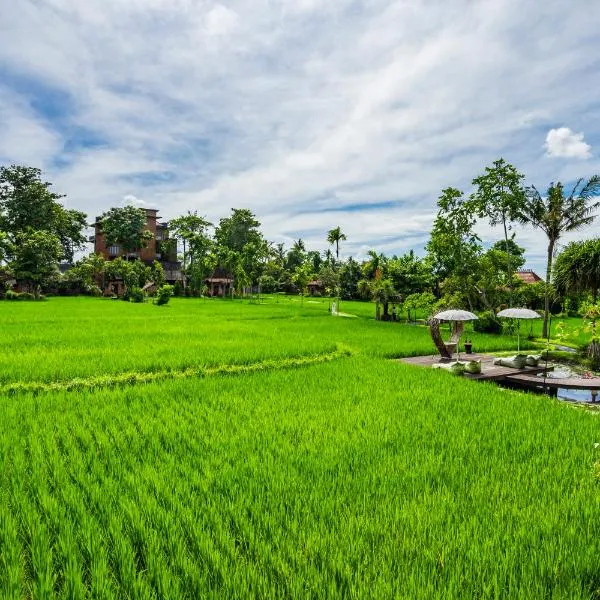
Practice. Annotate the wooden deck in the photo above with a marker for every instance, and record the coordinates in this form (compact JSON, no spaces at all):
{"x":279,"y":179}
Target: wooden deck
{"x":527,"y":377}
{"x":569,"y":383}
{"x":489,"y":371}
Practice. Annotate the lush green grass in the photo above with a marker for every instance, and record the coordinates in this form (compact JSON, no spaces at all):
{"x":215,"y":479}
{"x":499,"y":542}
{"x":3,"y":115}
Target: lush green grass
{"x":360,"y":477}
{"x":81,"y":337}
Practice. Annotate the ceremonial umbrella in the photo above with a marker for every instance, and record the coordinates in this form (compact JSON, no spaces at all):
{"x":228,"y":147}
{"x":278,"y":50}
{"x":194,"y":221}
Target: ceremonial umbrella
{"x":456,"y":315}
{"x":518,"y":313}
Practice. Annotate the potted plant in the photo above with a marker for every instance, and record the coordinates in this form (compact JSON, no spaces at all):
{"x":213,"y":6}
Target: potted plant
{"x":468,"y":346}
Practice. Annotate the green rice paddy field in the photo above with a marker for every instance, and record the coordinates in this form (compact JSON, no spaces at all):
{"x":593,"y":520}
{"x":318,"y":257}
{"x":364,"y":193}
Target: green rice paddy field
{"x":219,"y":449}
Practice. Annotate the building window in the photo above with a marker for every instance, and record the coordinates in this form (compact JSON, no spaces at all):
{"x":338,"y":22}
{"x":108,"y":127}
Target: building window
{"x":114,"y":250}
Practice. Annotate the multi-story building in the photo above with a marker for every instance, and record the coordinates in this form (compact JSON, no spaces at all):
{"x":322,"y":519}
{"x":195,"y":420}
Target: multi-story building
{"x":158,"y":248}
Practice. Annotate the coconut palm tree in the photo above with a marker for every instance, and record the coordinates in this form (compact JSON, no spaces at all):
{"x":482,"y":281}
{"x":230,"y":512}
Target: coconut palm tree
{"x":556,"y":214}
{"x":335,"y":236}
{"x":375,"y":263}
{"x":328,"y":257}
{"x":299,"y":246}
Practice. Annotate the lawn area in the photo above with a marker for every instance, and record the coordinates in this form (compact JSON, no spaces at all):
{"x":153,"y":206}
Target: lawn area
{"x":348,"y":476}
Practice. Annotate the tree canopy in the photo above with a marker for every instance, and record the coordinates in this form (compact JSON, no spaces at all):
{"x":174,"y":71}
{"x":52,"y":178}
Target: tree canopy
{"x":557,"y":213}
{"x":126,"y":227}
{"x":27,"y":203}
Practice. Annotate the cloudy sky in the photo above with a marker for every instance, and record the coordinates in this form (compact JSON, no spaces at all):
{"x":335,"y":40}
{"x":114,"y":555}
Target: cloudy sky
{"x":312,"y":113}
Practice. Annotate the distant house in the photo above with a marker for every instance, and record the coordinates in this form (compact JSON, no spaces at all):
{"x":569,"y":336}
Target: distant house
{"x":315,"y":287}
{"x":220,"y":284}
{"x":528,"y":276}
{"x":155,"y":249}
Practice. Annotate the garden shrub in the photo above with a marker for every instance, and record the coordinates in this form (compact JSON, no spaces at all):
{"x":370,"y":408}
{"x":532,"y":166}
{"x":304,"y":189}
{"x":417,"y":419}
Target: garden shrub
{"x":163,"y":294}
{"x":487,"y":323}
{"x":10,"y":295}
{"x":136,"y":295}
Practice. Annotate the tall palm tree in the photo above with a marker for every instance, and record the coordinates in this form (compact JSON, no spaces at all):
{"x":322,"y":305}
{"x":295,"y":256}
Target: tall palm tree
{"x":557,"y":214}
{"x":374,"y":263}
{"x":277,"y":253}
{"x":328,"y":257}
{"x":298,"y":245}
{"x":335,"y":236}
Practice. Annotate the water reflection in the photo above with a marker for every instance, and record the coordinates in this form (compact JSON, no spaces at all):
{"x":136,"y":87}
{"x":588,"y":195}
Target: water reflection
{"x":580,"y":395}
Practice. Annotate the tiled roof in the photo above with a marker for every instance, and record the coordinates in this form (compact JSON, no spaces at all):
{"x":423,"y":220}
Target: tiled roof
{"x":528,"y":276}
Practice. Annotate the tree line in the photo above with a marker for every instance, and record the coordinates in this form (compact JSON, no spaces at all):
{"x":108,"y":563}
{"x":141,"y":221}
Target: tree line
{"x":37,"y":232}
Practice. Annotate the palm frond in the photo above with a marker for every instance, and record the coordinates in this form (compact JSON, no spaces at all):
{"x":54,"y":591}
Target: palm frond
{"x":591,"y":188}
{"x":574,"y":190}
{"x":575,"y":225}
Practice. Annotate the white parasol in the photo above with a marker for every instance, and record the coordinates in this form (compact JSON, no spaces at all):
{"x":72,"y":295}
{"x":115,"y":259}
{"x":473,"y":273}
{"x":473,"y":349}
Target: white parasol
{"x":456,"y":315}
{"x":518,"y":313}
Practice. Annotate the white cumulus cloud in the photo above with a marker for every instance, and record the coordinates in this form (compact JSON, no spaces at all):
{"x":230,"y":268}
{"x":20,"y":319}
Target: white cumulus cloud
{"x":220,"y":20}
{"x":563,"y":142}
{"x":134,"y":200}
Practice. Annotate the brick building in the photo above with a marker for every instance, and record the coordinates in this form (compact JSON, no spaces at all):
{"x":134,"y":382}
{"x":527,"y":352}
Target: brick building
{"x":157,"y":249}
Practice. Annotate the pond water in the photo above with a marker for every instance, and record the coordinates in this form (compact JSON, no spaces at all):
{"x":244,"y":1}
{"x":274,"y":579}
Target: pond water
{"x":583,"y":395}
{"x":573,"y":395}
{"x":586,"y":396}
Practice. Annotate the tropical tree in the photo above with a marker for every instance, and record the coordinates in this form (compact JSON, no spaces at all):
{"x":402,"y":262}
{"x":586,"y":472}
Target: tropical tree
{"x":192,"y":231}
{"x":592,"y":313}
{"x":328,"y":258}
{"x":500,"y":197}
{"x":382,"y":292}
{"x":454,"y":247}
{"x":87,"y":273}
{"x":126,"y":227}
{"x":5,"y":246}
{"x":277,"y":253}
{"x":35,"y":257}
{"x":301,"y":277}
{"x":28,"y":203}
{"x":409,"y":273}
{"x":415,"y":302}
{"x":363,"y":288}
{"x":558,"y":213}
{"x":492,"y":275}
{"x":349,"y":274}
{"x":577,"y":269}
{"x":330,"y":279}
{"x":374,"y":264}
{"x":134,"y":273}
{"x":237,"y":230}
{"x":158,"y":274}
{"x":335,"y":236}
{"x":69,"y":225}
{"x":296,"y":255}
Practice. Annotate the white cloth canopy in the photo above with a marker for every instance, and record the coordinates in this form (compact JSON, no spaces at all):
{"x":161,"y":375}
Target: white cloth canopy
{"x":455,"y":315}
{"x":519,"y":313}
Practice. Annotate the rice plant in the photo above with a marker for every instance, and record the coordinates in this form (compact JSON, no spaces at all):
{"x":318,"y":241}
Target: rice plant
{"x":357,"y":477}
